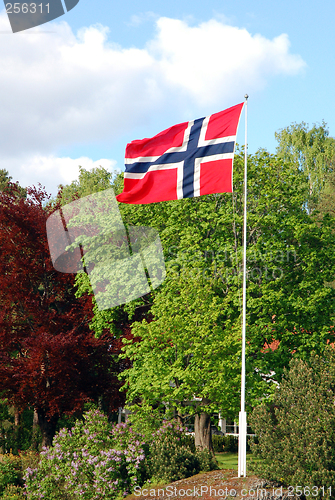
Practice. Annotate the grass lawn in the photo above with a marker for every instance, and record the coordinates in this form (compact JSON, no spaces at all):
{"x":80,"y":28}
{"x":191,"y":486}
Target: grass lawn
{"x":227,"y":460}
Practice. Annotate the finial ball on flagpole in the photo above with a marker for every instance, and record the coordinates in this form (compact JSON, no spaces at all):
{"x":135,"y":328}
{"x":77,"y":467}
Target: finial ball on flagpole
{"x":246,"y":96}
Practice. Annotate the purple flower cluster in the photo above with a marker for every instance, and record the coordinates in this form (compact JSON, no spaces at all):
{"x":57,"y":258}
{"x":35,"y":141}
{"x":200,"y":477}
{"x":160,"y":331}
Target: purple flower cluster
{"x":89,"y":462}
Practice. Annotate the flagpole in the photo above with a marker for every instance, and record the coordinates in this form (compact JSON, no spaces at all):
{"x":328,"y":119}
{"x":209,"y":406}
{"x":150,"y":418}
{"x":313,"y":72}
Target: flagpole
{"x":242,"y":439}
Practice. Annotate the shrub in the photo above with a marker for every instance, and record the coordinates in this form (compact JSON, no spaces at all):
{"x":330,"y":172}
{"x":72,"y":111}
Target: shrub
{"x":206,"y":461}
{"x":296,"y":434}
{"x":218,"y":443}
{"x":28,"y":459}
{"x":10,"y":469}
{"x":12,"y":492}
{"x":172,"y":456}
{"x":90,"y":461}
{"x":230,"y":443}
{"x":95,"y":460}
{"x":225,"y":443}
{"x":131,"y":442}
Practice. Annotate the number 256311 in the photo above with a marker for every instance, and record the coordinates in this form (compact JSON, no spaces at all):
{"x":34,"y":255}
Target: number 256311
{"x":24,"y":8}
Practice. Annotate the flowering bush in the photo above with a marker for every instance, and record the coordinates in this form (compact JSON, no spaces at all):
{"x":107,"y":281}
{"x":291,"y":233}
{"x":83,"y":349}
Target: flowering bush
{"x":134,"y":445}
{"x":91,"y":461}
{"x":94,"y":460}
{"x":173,"y":457}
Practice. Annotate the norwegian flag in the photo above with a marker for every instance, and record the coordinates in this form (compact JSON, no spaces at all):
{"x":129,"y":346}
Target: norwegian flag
{"x":190,"y":159}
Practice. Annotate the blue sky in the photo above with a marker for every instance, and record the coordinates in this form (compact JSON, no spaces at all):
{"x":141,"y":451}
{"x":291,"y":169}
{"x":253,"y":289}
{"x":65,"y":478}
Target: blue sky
{"x":76,"y":90}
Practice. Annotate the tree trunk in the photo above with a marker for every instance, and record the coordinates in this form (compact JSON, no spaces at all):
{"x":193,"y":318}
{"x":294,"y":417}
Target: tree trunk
{"x":17,"y":431}
{"x":34,"y":437}
{"x":47,"y":426}
{"x":16,"y":417}
{"x":180,"y":418}
{"x":203,"y":432}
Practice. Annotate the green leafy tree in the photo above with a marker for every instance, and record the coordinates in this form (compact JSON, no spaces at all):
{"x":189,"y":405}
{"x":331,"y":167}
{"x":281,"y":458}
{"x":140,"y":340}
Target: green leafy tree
{"x":310,"y":149}
{"x":89,"y":181}
{"x":190,"y":337}
{"x":326,"y":201}
{"x":5,"y":178}
{"x":6,"y":183}
{"x":184,"y":358}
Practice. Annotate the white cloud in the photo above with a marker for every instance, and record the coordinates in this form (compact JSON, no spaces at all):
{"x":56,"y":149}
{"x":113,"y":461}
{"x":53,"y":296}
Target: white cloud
{"x":215,"y":62}
{"x":62,"y":89}
{"x":51,"y":171}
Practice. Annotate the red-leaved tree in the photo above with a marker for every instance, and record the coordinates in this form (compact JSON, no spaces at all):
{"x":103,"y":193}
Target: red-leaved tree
{"x":49,"y":356}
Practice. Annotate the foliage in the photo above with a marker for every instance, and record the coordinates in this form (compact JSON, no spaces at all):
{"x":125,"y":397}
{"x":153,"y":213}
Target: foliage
{"x":89,"y":181}
{"x":227,"y":443}
{"x":7,"y":185}
{"x":310,"y":149}
{"x":28,"y":458}
{"x":50,"y":358}
{"x":12,"y":492}
{"x":190,"y":326}
{"x":178,"y":351}
{"x":190,"y":338}
{"x":207,"y":461}
{"x":326,"y":201}
{"x":146,"y":420}
{"x":5,"y":179}
{"x":10,"y":471}
{"x":296,"y":438}
{"x":173,"y":457}
{"x":95,"y":459}
{"x":16,"y":437}
{"x":218,"y":443}
{"x":230,"y":443}
{"x":89,"y":462}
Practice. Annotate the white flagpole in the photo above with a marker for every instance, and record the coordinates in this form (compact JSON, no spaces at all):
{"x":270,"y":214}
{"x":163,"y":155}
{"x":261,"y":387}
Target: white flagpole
{"x":242,"y":439}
